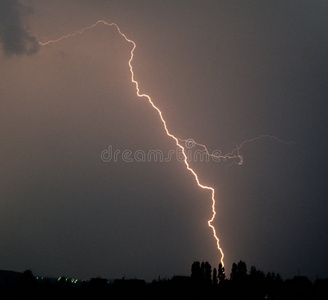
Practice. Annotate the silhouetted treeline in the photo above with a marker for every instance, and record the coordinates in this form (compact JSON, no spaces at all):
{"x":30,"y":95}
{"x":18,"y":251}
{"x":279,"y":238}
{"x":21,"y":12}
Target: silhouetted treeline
{"x":204,"y":282}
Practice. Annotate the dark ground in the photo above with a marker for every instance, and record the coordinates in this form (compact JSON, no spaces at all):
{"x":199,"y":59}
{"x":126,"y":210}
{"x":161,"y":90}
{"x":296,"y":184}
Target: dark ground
{"x":202,"y":284}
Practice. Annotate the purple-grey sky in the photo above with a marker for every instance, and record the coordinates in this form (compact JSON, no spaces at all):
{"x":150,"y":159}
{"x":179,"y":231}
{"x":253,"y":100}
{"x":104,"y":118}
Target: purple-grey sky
{"x":222,"y":72}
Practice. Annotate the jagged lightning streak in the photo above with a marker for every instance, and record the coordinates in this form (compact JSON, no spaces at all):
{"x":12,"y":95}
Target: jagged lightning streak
{"x":140,"y":95}
{"x":232,"y":155}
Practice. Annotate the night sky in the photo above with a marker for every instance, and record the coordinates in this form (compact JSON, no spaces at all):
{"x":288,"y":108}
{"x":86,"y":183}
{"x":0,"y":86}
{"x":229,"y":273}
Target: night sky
{"x":221,"y":72}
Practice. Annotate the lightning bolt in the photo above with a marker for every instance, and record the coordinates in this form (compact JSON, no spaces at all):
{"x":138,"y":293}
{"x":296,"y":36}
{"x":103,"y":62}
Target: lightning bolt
{"x":234,"y":154}
{"x":141,"y":95}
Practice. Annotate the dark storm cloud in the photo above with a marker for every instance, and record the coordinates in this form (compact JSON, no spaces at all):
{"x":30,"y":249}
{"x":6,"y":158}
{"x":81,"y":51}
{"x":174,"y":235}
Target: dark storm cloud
{"x":13,"y":36}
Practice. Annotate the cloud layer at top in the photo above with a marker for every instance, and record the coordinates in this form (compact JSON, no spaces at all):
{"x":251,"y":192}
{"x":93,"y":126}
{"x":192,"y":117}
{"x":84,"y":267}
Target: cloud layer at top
{"x":14,"y":37}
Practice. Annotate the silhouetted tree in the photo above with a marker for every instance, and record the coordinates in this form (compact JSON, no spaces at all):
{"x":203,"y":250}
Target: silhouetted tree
{"x":196,"y":271}
{"x":256,"y":275}
{"x":242,"y":270}
{"x":253,"y":285}
{"x":238,"y":272}
{"x":270,"y":276}
{"x":202,"y":267}
{"x":234,"y":272}
{"x":207,"y":272}
{"x":28,"y":278}
{"x":28,"y":284}
{"x":201,"y":271}
{"x":215,"y":277}
{"x":278,"y":278}
{"x":221,"y":273}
